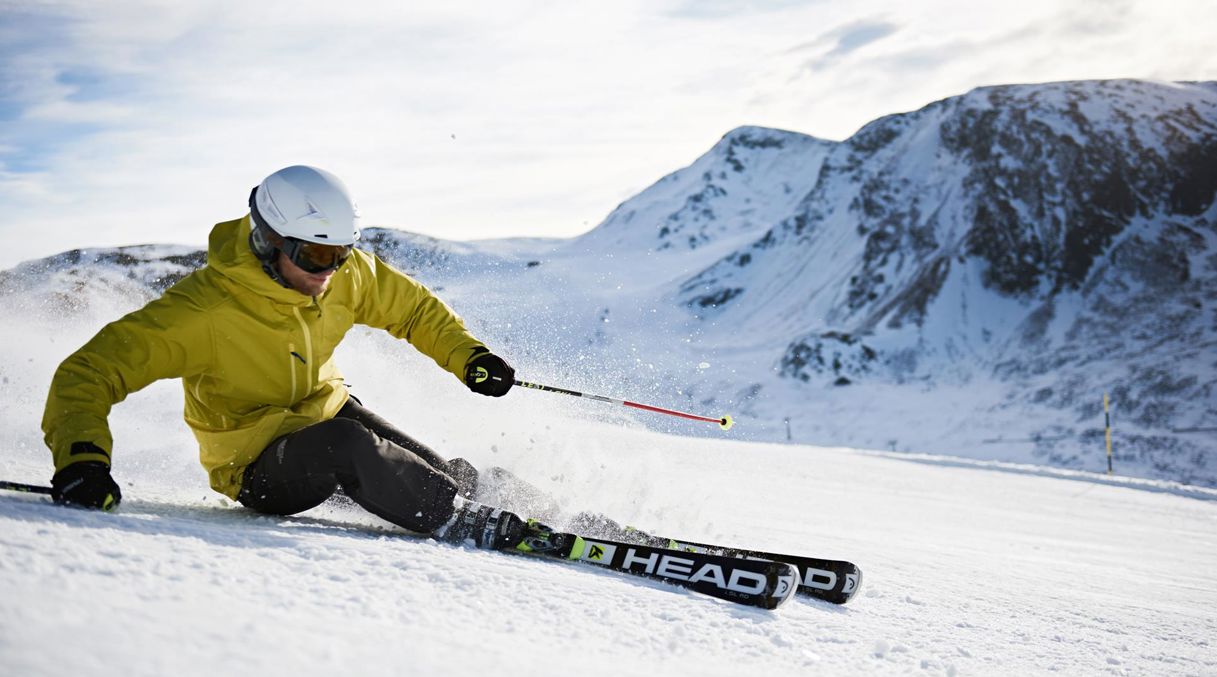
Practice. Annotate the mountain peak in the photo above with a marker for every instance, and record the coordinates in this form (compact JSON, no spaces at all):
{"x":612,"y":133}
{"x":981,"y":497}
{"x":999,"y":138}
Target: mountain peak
{"x":749,"y":179}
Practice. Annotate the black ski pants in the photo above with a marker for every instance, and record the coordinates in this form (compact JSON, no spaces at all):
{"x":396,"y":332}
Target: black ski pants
{"x":388,"y":473}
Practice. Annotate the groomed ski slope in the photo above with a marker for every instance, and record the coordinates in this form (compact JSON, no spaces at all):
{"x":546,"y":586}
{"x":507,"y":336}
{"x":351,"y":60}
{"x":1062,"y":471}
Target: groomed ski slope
{"x":969,"y":570}
{"x":970,"y":567}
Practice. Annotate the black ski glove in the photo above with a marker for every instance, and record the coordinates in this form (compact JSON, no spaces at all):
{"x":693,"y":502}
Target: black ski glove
{"x":87,"y":484}
{"x":488,"y":374}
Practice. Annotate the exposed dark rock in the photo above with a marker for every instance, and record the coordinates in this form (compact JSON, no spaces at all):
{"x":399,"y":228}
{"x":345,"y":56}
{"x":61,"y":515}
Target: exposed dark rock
{"x":831,"y":355}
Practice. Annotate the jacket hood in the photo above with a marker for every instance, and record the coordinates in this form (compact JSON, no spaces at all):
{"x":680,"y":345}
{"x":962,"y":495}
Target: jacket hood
{"x":229,"y":254}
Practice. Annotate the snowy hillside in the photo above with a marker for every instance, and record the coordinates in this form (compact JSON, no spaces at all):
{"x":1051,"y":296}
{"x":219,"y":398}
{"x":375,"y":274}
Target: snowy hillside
{"x":966,"y":279}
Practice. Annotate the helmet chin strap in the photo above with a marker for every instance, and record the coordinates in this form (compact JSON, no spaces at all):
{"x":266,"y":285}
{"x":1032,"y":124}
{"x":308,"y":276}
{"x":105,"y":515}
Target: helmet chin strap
{"x":273,"y":271}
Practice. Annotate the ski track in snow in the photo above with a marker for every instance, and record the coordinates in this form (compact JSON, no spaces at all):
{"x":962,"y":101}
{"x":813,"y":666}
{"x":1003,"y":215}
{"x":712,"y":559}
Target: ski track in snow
{"x":967,"y":571}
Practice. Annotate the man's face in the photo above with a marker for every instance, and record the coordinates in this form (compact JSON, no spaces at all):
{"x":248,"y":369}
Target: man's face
{"x":309,"y":284}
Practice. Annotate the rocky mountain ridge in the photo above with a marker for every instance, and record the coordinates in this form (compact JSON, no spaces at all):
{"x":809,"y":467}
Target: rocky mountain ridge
{"x":1026,"y":234}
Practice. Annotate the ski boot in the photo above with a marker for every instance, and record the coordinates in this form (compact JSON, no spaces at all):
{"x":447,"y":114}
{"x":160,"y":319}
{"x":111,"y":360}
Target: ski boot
{"x":483,"y":526}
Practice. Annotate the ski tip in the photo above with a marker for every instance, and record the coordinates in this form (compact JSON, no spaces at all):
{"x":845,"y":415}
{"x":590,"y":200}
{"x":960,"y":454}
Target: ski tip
{"x":785,"y":581}
{"x":854,"y":585}
{"x":726,"y":422}
{"x":848,"y":583}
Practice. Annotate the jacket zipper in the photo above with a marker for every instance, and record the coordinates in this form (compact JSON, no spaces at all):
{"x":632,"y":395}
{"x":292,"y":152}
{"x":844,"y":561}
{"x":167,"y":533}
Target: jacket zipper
{"x":292,"y":356}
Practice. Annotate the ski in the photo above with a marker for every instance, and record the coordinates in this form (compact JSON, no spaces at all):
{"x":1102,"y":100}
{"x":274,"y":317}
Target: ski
{"x":831,"y":580}
{"x":751,"y":582}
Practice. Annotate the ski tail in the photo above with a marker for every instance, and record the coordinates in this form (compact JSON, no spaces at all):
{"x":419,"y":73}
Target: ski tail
{"x":752,"y":582}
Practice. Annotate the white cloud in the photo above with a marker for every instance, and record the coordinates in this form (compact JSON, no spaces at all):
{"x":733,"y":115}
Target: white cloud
{"x":130,"y":122}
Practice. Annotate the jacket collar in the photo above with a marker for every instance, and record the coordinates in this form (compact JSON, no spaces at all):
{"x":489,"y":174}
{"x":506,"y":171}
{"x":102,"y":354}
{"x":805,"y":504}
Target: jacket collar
{"x":229,"y":254}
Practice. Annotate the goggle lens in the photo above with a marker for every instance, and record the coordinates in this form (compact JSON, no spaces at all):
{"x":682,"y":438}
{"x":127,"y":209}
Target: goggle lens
{"x":313,"y":257}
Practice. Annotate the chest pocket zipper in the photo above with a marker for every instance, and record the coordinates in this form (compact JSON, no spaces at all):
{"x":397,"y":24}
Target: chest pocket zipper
{"x":306,"y":360}
{"x":292,"y":356}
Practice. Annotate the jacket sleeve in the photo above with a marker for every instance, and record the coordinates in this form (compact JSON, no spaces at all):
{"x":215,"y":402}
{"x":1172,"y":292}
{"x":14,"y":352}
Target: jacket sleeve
{"x":167,"y":338}
{"x":388,"y":299}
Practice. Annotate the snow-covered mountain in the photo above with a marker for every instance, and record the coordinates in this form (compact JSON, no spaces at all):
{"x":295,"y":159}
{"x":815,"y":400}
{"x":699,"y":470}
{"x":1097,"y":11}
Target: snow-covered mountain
{"x":969,"y":278}
{"x":1053,"y":242}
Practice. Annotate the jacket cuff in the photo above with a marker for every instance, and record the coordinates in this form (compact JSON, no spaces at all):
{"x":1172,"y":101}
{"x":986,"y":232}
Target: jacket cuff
{"x":473,"y":353}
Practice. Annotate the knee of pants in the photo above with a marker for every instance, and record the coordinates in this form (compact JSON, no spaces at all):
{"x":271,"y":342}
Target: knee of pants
{"x":341,"y":441}
{"x":465,"y":475}
{"x":400,"y":487}
{"x":344,"y":433}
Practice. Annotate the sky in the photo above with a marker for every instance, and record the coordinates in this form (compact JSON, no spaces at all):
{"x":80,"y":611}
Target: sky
{"x":131,"y":122}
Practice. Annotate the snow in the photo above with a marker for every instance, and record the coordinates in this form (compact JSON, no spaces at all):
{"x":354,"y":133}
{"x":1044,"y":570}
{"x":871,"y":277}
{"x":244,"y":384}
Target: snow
{"x":969,"y":568}
{"x":979,"y":565}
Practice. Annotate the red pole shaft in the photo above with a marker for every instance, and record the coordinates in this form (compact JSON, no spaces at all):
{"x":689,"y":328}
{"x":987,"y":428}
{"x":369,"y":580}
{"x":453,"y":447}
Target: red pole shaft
{"x":725,"y":422}
{"x":671,"y":412}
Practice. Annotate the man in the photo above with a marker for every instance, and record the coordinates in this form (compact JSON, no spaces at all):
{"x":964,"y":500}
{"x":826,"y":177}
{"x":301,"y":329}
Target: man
{"x":252,"y":337}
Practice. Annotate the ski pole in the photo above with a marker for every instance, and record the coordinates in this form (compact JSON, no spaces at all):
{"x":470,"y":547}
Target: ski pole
{"x":27,"y":488}
{"x":725,"y":422}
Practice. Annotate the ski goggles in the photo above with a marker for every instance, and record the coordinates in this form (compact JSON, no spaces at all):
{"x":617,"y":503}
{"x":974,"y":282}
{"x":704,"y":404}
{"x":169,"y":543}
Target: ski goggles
{"x":313,"y":257}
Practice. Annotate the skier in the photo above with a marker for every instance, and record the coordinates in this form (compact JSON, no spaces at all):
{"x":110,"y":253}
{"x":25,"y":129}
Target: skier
{"x":252,"y":337}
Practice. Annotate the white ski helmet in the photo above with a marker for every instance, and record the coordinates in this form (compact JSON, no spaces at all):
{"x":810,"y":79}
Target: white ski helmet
{"x":306,"y":203}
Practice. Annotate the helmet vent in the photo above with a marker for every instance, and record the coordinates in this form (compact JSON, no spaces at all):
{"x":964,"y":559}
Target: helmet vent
{"x":268,"y":208}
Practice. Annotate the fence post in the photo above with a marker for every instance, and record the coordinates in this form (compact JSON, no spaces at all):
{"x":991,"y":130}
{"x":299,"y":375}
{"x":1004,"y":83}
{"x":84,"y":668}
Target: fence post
{"x":1107,"y":417}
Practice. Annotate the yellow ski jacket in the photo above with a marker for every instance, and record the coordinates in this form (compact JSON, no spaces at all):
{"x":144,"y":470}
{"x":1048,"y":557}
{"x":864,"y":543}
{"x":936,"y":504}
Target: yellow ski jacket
{"x":255,"y":358}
